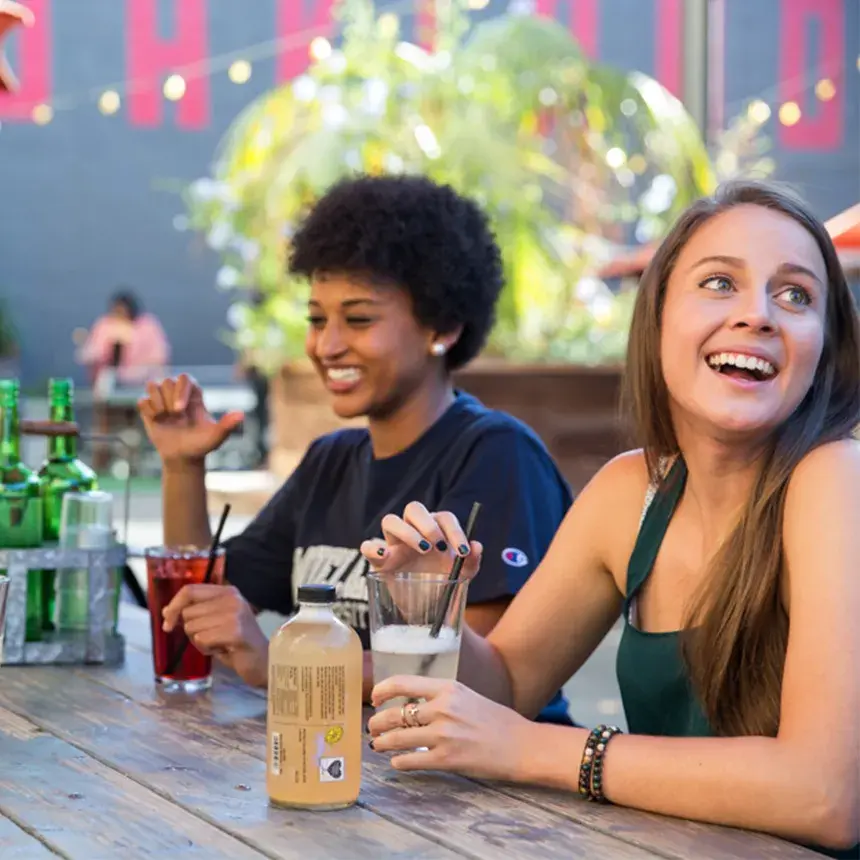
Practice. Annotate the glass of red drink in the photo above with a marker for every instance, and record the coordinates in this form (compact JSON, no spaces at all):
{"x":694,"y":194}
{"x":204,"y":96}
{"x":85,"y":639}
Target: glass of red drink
{"x":179,"y":666}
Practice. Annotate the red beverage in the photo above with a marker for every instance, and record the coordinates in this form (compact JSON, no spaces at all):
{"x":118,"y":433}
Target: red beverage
{"x":179,"y":666}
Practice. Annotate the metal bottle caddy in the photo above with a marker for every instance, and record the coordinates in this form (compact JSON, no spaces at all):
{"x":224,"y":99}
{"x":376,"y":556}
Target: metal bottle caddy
{"x":100,"y":642}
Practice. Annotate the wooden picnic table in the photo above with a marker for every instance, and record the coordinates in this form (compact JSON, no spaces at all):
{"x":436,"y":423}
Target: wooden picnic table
{"x":96,"y":764}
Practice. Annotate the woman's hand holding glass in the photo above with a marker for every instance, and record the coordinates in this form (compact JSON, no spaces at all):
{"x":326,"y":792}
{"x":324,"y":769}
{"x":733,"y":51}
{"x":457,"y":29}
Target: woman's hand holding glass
{"x":451,"y":728}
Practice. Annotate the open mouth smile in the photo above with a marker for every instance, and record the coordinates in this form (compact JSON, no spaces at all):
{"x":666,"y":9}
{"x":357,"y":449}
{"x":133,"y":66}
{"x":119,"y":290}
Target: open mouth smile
{"x":342,"y":380}
{"x":742,"y":367}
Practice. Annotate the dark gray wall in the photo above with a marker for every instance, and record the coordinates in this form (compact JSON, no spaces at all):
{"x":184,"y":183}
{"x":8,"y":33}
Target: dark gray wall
{"x":84,"y":204}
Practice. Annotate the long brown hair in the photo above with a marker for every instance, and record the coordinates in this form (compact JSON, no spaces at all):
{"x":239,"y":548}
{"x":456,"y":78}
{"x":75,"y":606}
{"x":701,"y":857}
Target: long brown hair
{"x":736,"y":632}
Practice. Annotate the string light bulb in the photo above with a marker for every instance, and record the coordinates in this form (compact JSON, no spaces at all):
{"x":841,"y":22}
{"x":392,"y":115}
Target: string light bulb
{"x":825,"y":90}
{"x":239,"y":72}
{"x":789,"y":113}
{"x":109,"y":102}
{"x":759,"y":111}
{"x":42,"y":114}
{"x":174,"y":88}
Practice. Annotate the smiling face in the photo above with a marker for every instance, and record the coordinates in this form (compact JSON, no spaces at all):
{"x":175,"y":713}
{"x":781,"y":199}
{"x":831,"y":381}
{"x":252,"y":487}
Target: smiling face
{"x":367,"y":346}
{"x":743,"y":323}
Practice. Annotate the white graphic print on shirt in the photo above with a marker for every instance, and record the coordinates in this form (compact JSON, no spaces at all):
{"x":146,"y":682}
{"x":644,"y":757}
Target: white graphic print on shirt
{"x":344,"y":568}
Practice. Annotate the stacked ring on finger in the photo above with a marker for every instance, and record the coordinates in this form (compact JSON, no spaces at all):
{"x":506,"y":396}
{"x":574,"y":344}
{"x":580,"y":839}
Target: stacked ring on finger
{"x":412,"y":715}
{"x":409,"y":715}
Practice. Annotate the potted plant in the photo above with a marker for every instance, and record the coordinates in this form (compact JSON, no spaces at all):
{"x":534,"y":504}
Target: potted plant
{"x":570,"y":159}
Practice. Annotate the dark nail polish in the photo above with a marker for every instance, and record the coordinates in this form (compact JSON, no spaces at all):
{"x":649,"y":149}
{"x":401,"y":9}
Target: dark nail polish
{"x":424,"y":546}
{"x":370,"y":744}
{"x":441,"y":546}
{"x":463,"y":549}
{"x":381,"y":551}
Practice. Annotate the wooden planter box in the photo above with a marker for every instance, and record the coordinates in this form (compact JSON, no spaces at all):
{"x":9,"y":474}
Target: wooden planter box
{"x":574,"y":409}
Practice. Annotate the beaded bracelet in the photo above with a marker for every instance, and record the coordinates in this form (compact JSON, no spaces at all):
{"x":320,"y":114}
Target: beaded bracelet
{"x":606,"y":733}
{"x":587,"y":762}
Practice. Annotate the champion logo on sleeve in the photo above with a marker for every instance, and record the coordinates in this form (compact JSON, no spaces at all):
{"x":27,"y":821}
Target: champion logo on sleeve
{"x":514,"y":557}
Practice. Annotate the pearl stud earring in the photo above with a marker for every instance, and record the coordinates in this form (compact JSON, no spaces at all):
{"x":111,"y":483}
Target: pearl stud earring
{"x":438,"y":349}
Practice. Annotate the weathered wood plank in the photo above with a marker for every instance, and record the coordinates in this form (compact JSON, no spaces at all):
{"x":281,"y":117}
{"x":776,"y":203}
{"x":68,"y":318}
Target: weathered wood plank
{"x":14,"y":726}
{"x":672,"y":837}
{"x":669,"y":837}
{"x":17,"y":844}
{"x":82,"y":809}
{"x":486,"y":826}
{"x":225,"y":787}
{"x":457,"y":812}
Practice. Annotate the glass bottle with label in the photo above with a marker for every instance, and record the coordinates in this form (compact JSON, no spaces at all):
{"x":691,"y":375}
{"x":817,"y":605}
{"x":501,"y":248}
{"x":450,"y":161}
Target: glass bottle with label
{"x":20,"y":504}
{"x":314,"y":732}
{"x":62,"y":472}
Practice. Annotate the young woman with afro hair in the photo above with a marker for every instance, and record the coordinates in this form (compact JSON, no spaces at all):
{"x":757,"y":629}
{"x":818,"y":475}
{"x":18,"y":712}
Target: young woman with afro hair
{"x":404,"y":275}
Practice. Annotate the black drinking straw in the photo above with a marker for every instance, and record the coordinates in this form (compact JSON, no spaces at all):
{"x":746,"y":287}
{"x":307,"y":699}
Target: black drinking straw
{"x":210,"y":567}
{"x":455,"y":574}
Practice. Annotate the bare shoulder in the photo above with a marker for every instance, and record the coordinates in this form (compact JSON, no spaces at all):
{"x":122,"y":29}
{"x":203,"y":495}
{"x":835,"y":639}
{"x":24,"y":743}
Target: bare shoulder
{"x":833,"y":468}
{"x":625,"y":473}
{"x":820,"y":533}
{"x":611,"y":506}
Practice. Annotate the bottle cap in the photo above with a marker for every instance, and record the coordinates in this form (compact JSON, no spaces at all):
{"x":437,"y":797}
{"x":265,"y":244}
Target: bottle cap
{"x":317,"y":594}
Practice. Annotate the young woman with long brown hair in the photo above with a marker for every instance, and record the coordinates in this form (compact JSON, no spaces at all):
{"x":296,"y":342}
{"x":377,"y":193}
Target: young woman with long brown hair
{"x":729,"y":542}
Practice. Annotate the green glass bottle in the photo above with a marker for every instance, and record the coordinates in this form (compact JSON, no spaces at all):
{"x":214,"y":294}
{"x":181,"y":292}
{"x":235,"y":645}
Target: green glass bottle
{"x":62,"y":472}
{"x":20,"y":502}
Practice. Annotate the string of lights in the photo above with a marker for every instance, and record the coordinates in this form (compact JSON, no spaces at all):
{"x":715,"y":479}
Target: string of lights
{"x":238,"y":65}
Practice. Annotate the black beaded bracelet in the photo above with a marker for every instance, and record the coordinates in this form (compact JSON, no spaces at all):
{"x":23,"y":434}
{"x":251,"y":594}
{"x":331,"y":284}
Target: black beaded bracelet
{"x":605,"y":735}
{"x":587,"y":762}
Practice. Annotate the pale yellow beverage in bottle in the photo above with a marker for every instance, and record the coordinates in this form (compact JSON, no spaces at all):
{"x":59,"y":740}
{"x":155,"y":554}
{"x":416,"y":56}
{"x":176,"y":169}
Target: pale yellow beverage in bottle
{"x":314,"y":732}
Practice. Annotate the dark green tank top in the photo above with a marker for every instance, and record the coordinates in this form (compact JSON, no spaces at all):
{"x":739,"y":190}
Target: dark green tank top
{"x":655,"y":688}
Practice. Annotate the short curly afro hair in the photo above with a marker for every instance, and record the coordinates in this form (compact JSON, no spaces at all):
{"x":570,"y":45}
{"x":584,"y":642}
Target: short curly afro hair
{"x":421,"y":236}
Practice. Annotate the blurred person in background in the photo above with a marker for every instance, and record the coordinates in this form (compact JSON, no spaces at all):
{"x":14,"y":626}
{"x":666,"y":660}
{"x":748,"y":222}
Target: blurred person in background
{"x":125,"y":346}
{"x":127,"y":342}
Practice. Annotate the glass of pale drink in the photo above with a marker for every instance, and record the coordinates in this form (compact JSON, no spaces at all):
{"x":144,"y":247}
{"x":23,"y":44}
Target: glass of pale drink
{"x":403,"y":610}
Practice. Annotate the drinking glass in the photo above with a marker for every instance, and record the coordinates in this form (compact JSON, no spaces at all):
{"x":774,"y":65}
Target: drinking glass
{"x":403,"y":610}
{"x":178,"y":665}
{"x":86,"y":522}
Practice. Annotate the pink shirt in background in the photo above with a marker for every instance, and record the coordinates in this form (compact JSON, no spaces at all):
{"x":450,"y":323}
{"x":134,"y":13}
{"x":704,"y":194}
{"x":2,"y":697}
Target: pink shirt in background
{"x":145,"y":355}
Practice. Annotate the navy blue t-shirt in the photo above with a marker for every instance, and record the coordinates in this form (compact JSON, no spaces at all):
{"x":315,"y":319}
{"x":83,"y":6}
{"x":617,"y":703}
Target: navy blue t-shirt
{"x":311,"y":529}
